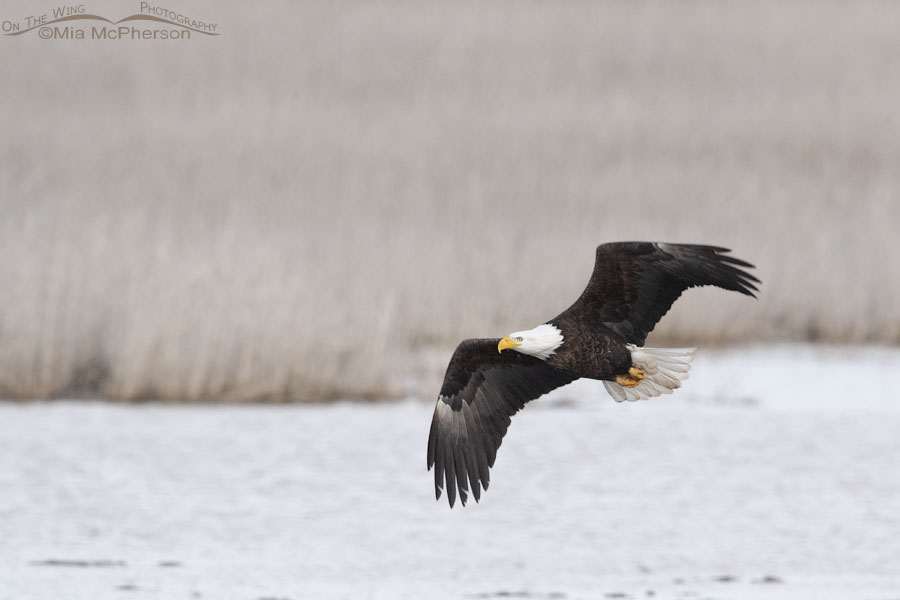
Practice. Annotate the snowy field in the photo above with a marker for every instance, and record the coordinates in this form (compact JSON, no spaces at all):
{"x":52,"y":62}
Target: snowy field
{"x":772,"y":475}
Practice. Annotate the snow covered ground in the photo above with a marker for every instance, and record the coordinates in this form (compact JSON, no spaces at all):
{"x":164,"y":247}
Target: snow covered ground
{"x":773,"y":474}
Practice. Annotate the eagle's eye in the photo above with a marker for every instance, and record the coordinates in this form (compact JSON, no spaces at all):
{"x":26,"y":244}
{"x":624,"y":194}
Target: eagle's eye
{"x":520,"y":339}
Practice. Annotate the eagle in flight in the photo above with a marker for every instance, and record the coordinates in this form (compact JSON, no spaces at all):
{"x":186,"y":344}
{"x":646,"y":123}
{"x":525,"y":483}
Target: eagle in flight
{"x":601,"y":336}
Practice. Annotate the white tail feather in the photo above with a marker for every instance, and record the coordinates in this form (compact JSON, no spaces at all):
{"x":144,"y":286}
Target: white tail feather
{"x":664,"y":370}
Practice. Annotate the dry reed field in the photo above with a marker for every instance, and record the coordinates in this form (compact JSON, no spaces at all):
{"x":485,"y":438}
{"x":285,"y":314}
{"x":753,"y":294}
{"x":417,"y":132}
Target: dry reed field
{"x":324,"y":199}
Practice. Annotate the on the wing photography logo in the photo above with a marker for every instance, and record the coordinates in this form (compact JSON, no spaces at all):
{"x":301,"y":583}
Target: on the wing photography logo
{"x":74,"y":22}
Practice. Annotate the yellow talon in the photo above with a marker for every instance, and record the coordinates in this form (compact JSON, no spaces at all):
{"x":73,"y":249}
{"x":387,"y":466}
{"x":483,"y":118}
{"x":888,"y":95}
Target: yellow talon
{"x":626,"y":381}
{"x":634,"y":377}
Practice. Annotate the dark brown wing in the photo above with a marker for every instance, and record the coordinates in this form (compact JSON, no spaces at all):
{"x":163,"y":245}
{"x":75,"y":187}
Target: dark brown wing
{"x":482,"y":390}
{"x":635,"y":283}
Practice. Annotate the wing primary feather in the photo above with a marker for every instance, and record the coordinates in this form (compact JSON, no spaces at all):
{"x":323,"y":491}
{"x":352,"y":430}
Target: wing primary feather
{"x":472,"y":467}
{"x":438,"y":477}
{"x":432,"y":434}
{"x":480,"y":452}
{"x":450,"y":472}
{"x":475,"y":442}
{"x":727,"y":258}
{"x":435,"y":454}
{"x":462,"y":475}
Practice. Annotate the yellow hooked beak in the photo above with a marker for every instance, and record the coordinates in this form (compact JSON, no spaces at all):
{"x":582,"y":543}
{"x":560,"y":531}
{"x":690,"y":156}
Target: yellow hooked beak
{"x":506,"y":343}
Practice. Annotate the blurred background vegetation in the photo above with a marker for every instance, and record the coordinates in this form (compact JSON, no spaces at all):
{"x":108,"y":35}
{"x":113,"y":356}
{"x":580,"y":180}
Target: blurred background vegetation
{"x":323,"y":200}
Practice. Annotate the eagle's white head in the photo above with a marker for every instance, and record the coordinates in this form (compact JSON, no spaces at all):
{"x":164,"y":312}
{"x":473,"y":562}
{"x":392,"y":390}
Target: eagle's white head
{"x":542,"y":341}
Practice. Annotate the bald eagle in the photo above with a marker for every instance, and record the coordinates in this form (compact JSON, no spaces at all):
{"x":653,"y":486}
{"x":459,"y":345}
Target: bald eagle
{"x":601,"y":336}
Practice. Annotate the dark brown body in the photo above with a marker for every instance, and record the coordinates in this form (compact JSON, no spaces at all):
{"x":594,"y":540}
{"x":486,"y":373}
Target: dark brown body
{"x":589,"y":351}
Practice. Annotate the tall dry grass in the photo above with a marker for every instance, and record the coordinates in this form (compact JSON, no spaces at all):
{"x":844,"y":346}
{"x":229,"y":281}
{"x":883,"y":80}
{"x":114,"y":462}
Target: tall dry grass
{"x":323,"y":200}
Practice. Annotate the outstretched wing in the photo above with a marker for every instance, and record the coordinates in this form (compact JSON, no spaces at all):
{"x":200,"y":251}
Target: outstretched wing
{"x":635,"y":283}
{"x":482,"y":390}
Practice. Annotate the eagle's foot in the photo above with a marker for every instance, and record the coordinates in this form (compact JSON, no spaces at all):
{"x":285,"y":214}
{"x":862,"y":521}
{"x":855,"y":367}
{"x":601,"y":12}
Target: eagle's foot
{"x":633,"y":378}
